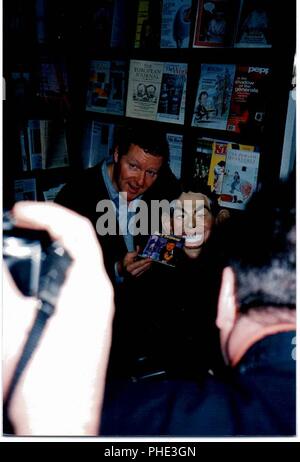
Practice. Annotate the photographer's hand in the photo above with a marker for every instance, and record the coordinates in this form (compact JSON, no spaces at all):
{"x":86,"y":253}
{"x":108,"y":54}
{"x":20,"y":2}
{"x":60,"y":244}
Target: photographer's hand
{"x":61,"y":389}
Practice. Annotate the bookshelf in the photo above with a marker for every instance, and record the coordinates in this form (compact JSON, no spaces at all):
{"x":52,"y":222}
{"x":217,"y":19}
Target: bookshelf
{"x":65,"y":40}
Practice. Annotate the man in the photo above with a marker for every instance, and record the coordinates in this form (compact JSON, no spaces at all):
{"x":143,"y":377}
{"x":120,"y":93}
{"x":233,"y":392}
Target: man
{"x":256,"y":318}
{"x":139,"y":169}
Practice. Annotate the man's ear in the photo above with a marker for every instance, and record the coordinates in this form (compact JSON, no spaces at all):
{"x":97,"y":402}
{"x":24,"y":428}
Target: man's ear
{"x":227,"y":304}
{"x":166,"y":222}
{"x":116,"y":154}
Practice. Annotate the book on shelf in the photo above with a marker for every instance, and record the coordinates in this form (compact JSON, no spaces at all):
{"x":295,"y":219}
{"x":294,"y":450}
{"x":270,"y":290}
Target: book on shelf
{"x":240,"y":178}
{"x":175,"y":23}
{"x":215,"y":23}
{"x":202,"y":159}
{"x":106,"y":87}
{"x":97,"y":143}
{"x":22,"y":87}
{"x":53,"y":79}
{"x":210,"y":161}
{"x":44,"y":145}
{"x":157,"y":91}
{"x":217,"y":165}
{"x":213,"y":96}
{"x":107,"y":23}
{"x":175,"y":147}
{"x":232,"y":97}
{"x":248,"y":101}
{"x":148,"y":24}
{"x":255,"y":24}
{"x":25,"y":189}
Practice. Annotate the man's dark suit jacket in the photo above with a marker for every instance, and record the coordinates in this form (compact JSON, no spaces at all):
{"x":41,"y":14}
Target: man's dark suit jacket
{"x":258,"y":398}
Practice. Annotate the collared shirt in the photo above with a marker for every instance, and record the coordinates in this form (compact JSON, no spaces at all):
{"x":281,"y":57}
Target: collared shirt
{"x":124,"y":211}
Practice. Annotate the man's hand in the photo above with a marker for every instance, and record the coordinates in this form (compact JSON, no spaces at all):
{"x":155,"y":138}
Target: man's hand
{"x":61,"y":389}
{"x":132,"y":266}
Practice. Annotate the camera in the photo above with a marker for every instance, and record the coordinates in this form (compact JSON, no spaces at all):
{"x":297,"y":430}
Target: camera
{"x":37,"y":264}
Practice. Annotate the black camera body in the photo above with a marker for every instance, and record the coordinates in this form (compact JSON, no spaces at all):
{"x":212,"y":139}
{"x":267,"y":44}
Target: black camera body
{"x":37,"y":264}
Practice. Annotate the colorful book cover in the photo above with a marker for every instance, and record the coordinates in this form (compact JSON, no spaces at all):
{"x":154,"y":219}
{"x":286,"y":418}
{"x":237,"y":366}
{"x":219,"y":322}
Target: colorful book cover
{"x":163,"y":248}
{"x":213,"y":96}
{"x":175,"y":23}
{"x":255,"y":24}
{"x":248,"y":101}
{"x":106,"y":87}
{"x":215,"y":23}
{"x":240,"y":178}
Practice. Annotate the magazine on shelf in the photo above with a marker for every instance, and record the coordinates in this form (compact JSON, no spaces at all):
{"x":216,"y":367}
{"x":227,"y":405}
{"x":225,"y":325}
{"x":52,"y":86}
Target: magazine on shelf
{"x":47,"y":144}
{"x":254,"y":25}
{"x":34,"y":145}
{"x":156,"y":91}
{"x":175,"y":23}
{"x":107,"y":24}
{"x":163,"y":248}
{"x":106,"y":87}
{"x":25,"y":190}
{"x":175,"y":147}
{"x":248,"y":101}
{"x":202,"y":159}
{"x":97,"y":143}
{"x":213,"y":96}
{"x":54,"y":144}
{"x":53,"y":79}
{"x":148,"y":21}
{"x":215,"y":23}
{"x":217,"y":166}
{"x":240,"y":178}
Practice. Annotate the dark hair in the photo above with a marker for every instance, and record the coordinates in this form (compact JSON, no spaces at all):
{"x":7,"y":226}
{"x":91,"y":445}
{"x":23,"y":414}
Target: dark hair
{"x":153,"y":142}
{"x":261,"y":247}
{"x":202,"y":93}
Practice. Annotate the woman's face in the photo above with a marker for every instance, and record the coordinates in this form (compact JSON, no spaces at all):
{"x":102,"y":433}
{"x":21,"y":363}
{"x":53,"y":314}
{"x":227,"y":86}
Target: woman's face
{"x":193,"y":220}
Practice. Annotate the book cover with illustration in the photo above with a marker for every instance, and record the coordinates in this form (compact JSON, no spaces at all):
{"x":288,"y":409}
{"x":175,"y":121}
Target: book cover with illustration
{"x":106,"y":87}
{"x":175,"y":23}
{"x":218,"y":159}
{"x":240,"y":178}
{"x":215,"y":23}
{"x":254,"y":24}
{"x":217,"y":165}
{"x":156,"y":91}
{"x":213,"y":96}
{"x":163,"y":248}
{"x":249,"y":98}
{"x":202,"y":159}
{"x":148,"y":23}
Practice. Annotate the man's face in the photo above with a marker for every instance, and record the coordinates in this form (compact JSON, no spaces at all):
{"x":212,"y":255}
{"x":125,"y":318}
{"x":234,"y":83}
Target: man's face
{"x":170,"y":246}
{"x":151,"y":91}
{"x":194,"y":222}
{"x":136,"y":171}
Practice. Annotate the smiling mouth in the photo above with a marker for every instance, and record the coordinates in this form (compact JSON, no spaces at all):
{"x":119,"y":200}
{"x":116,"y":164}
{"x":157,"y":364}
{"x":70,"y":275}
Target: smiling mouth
{"x":132,"y":189}
{"x":193,"y":242}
